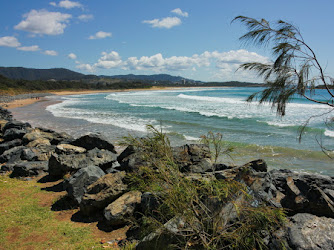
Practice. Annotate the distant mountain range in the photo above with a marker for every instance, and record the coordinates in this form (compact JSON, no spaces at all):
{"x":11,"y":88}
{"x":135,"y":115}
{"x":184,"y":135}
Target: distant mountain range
{"x":69,"y":75}
{"x":65,"y":74}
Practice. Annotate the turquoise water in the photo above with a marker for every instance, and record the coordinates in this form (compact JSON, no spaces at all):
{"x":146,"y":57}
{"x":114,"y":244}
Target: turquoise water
{"x":186,"y":114}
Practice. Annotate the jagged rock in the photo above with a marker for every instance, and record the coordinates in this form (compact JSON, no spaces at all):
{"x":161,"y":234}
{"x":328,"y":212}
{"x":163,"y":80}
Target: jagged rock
{"x":53,"y":137}
{"x":39,"y":141}
{"x":118,"y":212}
{"x":258,"y":165}
{"x":2,"y":122}
{"x":149,"y":203}
{"x":113,"y":169}
{"x":59,"y":165}
{"x":164,"y":237}
{"x":26,"y":169}
{"x":43,"y":152}
{"x":10,"y":144}
{"x":12,"y":155}
{"x":193,"y":158}
{"x":16,"y":124}
{"x":101,"y":158}
{"x":131,"y":159}
{"x":311,"y":232}
{"x":29,"y":155}
{"x":76,"y":185}
{"x":5,"y":114}
{"x":102,"y":192}
{"x":92,"y":141}
{"x":13,"y":133}
{"x":69,"y":149}
{"x":7,"y":167}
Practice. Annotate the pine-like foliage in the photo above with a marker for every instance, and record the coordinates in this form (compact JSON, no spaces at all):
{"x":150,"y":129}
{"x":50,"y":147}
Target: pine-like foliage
{"x":295,"y":70}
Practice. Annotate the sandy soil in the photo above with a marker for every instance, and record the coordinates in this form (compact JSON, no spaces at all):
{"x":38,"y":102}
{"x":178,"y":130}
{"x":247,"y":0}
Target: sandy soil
{"x":20,"y":103}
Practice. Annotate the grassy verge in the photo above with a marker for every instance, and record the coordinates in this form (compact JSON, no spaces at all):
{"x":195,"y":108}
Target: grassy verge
{"x":28,"y":224}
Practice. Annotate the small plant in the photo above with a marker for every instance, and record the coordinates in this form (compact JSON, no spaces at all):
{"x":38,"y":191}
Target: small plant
{"x":208,"y":213}
{"x":217,"y":146}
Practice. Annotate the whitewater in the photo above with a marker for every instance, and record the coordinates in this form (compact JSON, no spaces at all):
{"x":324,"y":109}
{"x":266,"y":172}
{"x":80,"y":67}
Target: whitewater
{"x":254,"y":130}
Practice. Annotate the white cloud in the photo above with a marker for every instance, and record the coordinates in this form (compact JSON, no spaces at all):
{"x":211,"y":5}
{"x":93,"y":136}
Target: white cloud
{"x":167,"y":22}
{"x":109,"y":60}
{"x":85,"y":67}
{"x":100,"y":35}
{"x":85,"y":18}
{"x":44,"y":22}
{"x":72,"y":56}
{"x":223,"y":64}
{"x":67,"y":4}
{"x":179,"y":12}
{"x":50,"y":53}
{"x":9,"y":41}
{"x":29,"y":48}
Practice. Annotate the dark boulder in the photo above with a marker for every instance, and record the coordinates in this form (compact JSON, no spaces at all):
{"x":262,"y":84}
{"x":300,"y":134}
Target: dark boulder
{"x":193,"y":158}
{"x":92,"y":141}
{"x":13,"y":133}
{"x":5,"y":114}
{"x":61,"y":164}
{"x":9,"y":144}
{"x":101,"y":158}
{"x":16,"y":124}
{"x":29,"y":155}
{"x":28,"y":169}
{"x":119,"y":211}
{"x":12,"y":155}
{"x":102,"y":192}
{"x":76,"y":185}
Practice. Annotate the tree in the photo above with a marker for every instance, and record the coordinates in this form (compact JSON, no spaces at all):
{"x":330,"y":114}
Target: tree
{"x":295,"y":70}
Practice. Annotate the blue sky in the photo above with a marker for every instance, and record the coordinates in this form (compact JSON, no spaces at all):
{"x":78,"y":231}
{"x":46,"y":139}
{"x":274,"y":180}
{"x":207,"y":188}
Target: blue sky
{"x":190,"y":38}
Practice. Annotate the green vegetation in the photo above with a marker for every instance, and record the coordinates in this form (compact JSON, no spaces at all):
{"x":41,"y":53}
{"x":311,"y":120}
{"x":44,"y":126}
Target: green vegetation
{"x":22,"y":86}
{"x":215,"y":214}
{"x":25,"y":224}
{"x":296,"y":69}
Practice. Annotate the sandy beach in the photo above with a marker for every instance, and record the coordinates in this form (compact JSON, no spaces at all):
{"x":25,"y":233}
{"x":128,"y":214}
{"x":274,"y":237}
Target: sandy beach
{"x":28,"y":101}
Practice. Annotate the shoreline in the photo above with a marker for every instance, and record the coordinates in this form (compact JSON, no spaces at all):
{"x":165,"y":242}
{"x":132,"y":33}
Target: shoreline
{"x":16,"y":103}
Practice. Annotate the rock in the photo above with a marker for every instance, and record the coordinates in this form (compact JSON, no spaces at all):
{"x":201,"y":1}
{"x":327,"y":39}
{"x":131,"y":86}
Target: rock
{"x":258,"y":165}
{"x":311,"y":232}
{"x":10,"y":144}
{"x":101,"y":158}
{"x":102,"y":192}
{"x":2,"y":122}
{"x":149,"y":203}
{"x":92,"y":141}
{"x":7,"y":167}
{"x":130,"y":162}
{"x":59,"y":165}
{"x":69,"y":149}
{"x":76,"y":185}
{"x":13,"y":133}
{"x":27,"y":169}
{"x":118,"y":212}
{"x":53,"y":137}
{"x":29,"y":155}
{"x":113,"y":169}
{"x":5,"y":114}
{"x":43,"y":152}
{"x":164,"y":237}
{"x":193,"y":158}
{"x":39,"y":141}
{"x":12,"y":155}
{"x":16,"y":124}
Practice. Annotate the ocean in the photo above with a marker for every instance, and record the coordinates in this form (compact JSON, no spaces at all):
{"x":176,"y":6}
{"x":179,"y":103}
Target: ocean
{"x":255,"y":131}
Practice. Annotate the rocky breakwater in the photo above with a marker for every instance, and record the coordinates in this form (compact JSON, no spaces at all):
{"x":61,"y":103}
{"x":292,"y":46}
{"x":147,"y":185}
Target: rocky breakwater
{"x":99,"y":182}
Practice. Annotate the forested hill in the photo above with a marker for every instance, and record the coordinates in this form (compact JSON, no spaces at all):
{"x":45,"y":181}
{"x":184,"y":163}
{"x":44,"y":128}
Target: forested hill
{"x":42,"y":74}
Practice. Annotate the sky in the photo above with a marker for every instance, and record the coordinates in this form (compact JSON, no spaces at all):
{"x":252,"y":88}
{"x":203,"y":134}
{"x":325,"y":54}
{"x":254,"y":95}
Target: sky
{"x":190,"y":38}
